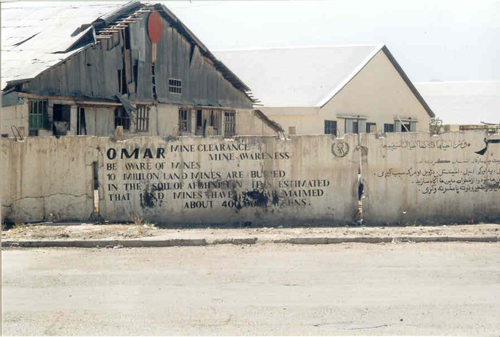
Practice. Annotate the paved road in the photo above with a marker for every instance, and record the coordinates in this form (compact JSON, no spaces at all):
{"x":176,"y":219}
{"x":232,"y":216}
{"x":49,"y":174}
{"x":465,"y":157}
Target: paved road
{"x":383,"y":289}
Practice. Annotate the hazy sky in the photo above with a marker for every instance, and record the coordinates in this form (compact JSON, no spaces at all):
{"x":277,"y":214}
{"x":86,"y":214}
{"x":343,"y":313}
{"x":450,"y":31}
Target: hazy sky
{"x":432,"y":40}
{"x":447,"y":40}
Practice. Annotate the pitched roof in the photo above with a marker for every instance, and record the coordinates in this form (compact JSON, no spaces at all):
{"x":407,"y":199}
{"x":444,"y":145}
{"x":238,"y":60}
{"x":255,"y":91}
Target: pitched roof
{"x":36,"y":34}
{"x":297,"y":76}
{"x":39,"y":35}
{"x":466,"y":103}
{"x":304,"y":76}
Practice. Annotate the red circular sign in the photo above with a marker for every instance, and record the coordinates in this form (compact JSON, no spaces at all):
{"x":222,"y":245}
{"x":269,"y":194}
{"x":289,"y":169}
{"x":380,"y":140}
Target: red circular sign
{"x":154,"y":27}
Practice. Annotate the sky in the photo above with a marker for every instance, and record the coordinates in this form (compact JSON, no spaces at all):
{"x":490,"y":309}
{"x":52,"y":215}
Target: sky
{"x":433,"y":40}
{"x":439,"y":40}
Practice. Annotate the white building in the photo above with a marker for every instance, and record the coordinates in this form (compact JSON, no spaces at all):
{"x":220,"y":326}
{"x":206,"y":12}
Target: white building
{"x":331,"y":89}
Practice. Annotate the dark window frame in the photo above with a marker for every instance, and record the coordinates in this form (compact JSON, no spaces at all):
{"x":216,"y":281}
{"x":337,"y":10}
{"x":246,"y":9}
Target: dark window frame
{"x":175,"y":86}
{"x":388,"y":127}
{"x":142,"y":118}
{"x":122,"y":118}
{"x":330,"y":126}
{"x":368,"y":126}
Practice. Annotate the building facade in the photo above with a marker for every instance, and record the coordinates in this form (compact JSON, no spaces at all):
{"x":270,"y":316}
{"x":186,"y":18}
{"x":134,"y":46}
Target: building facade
{"x":136,"y":67}
{"x":332,"y":90}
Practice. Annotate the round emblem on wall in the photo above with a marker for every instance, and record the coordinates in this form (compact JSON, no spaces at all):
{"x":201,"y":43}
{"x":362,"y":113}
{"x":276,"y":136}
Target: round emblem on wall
{"x":154,"y":27}
{"x":340,"y":149}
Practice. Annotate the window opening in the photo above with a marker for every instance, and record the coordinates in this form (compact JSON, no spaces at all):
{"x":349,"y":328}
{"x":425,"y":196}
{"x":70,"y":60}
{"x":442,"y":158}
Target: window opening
{"x":330,"y":127}
{"x":184,"y":125}
{"x":229,"y":123}
{"x":37,"y":115}
{"x":355,"y":128}
{"x":369,"y":127}
{"x":174,"y":86}
{"x":122,"y":118}
{"x":199,"y":118}
{"x":388,"y":127}
{"x":81,"y":123}
{"x":142,"y":118}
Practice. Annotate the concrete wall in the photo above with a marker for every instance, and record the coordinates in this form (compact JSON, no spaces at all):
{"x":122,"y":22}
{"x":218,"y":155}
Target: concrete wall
{"x":184,"y":180}
{"x":377,"y":92}
{"x":248,"y":123}
{"x":419,"y":178}
{"x":408,"y":178}
{"x":16,"y":115}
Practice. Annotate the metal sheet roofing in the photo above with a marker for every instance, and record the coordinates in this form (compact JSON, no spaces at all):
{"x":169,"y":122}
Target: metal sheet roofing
{"x":35,"y":34}
{"x":298,"y":76}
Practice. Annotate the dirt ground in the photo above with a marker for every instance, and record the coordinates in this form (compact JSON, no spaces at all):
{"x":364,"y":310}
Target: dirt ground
{"x":133,"y":231}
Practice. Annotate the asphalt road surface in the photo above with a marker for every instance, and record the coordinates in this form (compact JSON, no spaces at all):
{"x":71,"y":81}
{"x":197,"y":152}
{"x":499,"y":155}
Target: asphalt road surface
{"x":344,"y":289}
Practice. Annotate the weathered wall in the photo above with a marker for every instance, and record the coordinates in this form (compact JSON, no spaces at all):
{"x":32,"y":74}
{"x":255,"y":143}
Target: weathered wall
{"x":184,"y":180}
{"x":15,"y":115}
{"x":248,"y":123}
{"x":377,"y":92}
{"x":43,"y":175}
{"x":408,"y":178}
{"x":419,"y":178}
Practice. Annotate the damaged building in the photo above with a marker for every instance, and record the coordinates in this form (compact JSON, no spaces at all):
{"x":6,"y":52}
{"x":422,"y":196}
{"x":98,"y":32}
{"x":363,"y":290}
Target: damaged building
{"x":82,"y":69}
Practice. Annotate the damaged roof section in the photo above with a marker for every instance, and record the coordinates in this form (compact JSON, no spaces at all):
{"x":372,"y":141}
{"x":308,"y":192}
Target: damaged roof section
{"x":38,"y":36}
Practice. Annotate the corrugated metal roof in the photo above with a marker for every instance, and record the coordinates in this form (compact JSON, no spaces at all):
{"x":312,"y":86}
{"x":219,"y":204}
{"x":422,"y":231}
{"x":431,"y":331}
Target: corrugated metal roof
{"x":466,"y":103}
{"x":297,"y":76}
{"x":45,"y":28}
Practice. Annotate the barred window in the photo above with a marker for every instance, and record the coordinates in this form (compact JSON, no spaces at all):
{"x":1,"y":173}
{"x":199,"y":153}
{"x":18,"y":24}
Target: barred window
{"x":330,"y":127}
{"x":142,"y":118}
{"x":122,"y":118}
{"x":174,"y":86}
{"x":37,"y":114}
{"x":230,"y":123}
{"x":184,"y":120}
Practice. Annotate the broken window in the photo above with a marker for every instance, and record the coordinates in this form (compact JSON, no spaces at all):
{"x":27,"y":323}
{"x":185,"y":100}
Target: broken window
{"x":184,"y":120}
{"x":215,"y":120}
{"x":122,"y":118}
{"x":330,"y":127}
{"x":142,"y":118}
{"x":199,"y":119}
{"x":37,"y":116}
{"x":388,"y":127}
{"x":174,"y":86}
{"x":61,"y":116}
{"x":371,"y":127}
{"x":229,"y":123}
{"x":81,"y":122}
{"x":61,"y":113}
